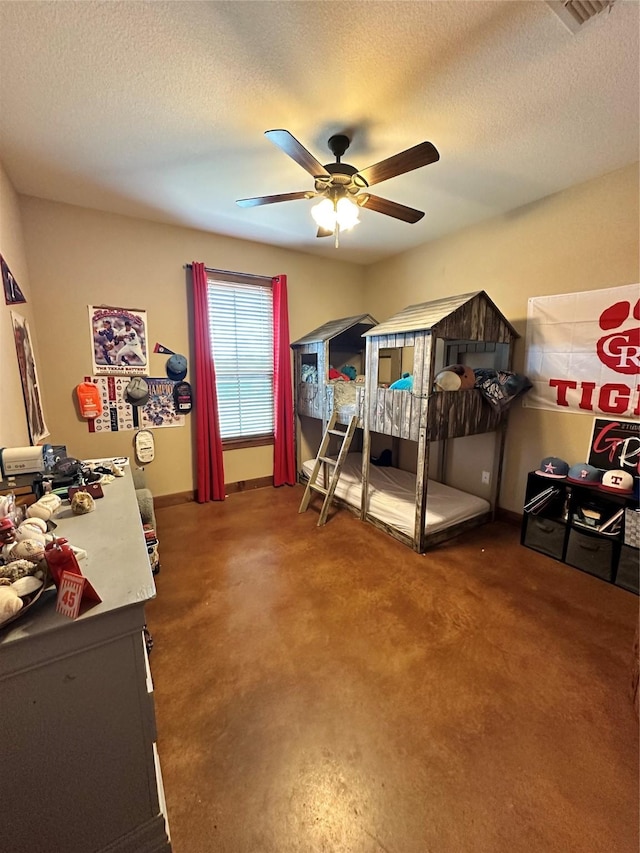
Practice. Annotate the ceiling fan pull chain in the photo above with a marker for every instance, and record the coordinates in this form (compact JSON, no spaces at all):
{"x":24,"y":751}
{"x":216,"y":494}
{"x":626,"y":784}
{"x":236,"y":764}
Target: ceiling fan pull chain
{"x":337,"y":235}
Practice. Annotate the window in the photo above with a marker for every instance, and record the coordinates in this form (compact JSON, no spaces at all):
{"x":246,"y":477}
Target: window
{"x":241,"y":328}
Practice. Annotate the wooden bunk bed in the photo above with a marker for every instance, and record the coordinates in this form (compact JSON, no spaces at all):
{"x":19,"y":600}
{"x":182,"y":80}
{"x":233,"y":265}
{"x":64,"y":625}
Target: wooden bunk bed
{"x":442,"y":332}
{"x":334,"y":344}
{"x":415,"y":508}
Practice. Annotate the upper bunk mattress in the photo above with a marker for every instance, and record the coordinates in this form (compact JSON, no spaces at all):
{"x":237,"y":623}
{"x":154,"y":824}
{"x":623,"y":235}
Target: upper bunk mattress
{"x":392,"y":496}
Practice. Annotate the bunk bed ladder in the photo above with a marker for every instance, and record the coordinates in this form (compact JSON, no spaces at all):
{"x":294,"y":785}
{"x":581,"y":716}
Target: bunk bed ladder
{"x":345,"y":437}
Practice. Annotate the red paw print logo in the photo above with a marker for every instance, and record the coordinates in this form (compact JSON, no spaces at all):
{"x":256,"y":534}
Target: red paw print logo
{"x":620,"y":350}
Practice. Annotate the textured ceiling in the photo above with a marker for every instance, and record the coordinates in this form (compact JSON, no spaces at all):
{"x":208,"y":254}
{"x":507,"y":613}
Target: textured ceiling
{"x":158,"y":109}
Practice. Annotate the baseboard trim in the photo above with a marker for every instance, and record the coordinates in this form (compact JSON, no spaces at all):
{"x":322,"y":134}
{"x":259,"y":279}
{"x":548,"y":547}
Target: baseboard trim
{"x":248,"y":485}
{"x":163,"y":501}
{"x":509,"y":517}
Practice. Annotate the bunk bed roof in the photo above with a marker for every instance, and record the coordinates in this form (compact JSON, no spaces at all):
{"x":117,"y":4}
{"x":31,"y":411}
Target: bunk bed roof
{"x":334,"y":328}
{"x":429,"y":315}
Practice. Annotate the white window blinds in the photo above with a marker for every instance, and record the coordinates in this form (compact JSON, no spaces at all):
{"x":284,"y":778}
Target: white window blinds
{"x":241,"y":327}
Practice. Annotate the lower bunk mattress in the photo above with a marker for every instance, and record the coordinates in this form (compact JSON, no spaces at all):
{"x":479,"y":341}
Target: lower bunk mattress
{"x":392,"y":496}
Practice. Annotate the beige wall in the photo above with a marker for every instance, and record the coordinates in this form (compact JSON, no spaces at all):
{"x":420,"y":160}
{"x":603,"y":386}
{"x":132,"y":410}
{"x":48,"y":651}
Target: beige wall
{"x":80,"y":257}
{"x":13,"y":420}
{"x":584,"y":238}
{"x":581,"y":239}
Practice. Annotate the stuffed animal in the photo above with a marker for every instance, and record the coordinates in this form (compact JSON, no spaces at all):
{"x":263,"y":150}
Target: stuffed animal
{"x":81,"y":503}
{"x":403,"y":384}
{"x":349,"y":370}
{"x":309,"y":373}
{"x":455,"y":377}
{"x":336,"y":374}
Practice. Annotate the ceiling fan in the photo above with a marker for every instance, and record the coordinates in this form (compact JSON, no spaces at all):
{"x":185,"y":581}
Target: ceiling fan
{"x":342,"y":187}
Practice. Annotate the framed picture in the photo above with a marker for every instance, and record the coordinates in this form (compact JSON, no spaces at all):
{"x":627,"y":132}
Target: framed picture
{"x":29,"y":378}
{"x":615,"y":445}
{"x":119,"y":340}
{"x":12,"y":293}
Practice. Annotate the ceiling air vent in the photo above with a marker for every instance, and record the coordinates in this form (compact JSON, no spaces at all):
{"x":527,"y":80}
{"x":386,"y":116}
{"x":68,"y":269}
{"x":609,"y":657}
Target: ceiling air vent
{"x":575,"y":13}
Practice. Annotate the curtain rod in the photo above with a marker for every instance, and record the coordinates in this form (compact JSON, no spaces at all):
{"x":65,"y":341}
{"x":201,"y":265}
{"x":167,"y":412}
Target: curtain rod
{"x":229,"y":272}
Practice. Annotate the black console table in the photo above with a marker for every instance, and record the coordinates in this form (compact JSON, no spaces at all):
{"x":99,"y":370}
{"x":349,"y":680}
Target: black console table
{"x":584,"y":527}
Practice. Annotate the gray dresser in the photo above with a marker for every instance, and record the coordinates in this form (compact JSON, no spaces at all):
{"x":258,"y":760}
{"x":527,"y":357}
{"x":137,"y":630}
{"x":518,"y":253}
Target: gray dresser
{"x":79,"y":768}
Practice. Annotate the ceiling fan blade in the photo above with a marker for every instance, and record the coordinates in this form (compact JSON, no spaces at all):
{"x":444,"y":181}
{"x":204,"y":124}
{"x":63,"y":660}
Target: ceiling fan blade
{"x":405,"y":161}
{"x":272,"y":199}
{"x":290,"y":145}
{"x":390,"y":208}
{"x":324,"y":232}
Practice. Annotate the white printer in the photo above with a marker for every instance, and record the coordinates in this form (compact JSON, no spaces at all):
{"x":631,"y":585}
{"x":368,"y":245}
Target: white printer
{"x":25,"y":460}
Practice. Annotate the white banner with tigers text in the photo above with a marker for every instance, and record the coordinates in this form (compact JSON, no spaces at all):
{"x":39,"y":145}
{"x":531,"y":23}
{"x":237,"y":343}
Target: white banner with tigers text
{"x":583,"y":352}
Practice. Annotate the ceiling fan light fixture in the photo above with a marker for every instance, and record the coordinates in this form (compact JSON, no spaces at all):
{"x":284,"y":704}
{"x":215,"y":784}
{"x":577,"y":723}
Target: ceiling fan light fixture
{"x":347,"y":214}
{"x":324,"y":214}
{"x":329,"y":214}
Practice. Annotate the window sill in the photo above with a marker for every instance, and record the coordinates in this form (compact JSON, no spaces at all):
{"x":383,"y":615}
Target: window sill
{"x":242,"y":443}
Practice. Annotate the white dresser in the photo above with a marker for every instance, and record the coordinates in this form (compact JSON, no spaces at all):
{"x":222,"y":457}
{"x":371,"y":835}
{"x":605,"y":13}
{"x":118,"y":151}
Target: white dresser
{"x":79,"y":769}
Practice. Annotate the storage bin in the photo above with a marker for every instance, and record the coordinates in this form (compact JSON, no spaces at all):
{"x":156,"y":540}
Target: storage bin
{"x":592,"y":554}
{"x":632,"y":528}
{"x":628,"y":574}
{"x":545,"y":535}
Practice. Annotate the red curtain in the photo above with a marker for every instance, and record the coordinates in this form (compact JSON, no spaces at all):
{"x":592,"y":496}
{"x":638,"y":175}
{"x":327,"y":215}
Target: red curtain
{"x":284,"y":458}
{"x":210,"y":468}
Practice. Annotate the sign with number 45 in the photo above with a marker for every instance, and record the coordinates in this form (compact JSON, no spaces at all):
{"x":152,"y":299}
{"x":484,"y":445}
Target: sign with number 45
{"x":70,"y":594}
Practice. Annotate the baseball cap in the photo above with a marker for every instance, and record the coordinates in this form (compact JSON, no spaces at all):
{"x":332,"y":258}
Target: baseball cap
{"x":177,"y":367}
{"x":617,"y":481}
{"x":585,"y":474}
{"x":137,"y":391}
{"x":553,"y":467}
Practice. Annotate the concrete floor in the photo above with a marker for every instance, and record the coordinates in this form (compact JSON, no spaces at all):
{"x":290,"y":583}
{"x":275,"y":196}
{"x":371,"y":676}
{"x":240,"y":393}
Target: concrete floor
{"x":330,"y":690}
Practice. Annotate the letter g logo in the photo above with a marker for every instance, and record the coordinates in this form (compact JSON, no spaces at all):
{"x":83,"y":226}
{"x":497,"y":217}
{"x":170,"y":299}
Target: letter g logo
{"x":620,"y":350}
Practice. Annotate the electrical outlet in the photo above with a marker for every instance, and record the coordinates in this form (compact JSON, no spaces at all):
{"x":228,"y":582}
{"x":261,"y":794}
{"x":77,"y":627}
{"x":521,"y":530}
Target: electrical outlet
{"x":486,"y":477}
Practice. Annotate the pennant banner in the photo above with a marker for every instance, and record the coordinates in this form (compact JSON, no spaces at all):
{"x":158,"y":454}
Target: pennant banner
{"x":161,"y":348}
{"x":583,"y":352}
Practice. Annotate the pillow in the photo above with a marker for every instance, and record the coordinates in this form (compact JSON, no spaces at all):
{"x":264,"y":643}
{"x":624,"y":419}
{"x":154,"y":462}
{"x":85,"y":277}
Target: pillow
{"x":455,"y":377}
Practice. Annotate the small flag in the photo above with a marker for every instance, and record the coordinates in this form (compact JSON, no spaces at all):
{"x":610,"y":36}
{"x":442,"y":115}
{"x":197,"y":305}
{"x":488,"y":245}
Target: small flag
{"x":166,"y":350}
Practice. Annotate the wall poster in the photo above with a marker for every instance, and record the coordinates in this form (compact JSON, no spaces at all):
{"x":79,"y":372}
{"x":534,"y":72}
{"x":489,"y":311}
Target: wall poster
{"x":615,"y":445}
{"x":583,"y":352}
{"x":119,"y":339}
{"x":119,"y":415}
{"x":160,"y":411}
{"x":29,"y":378}
{"x":12,"y":293}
